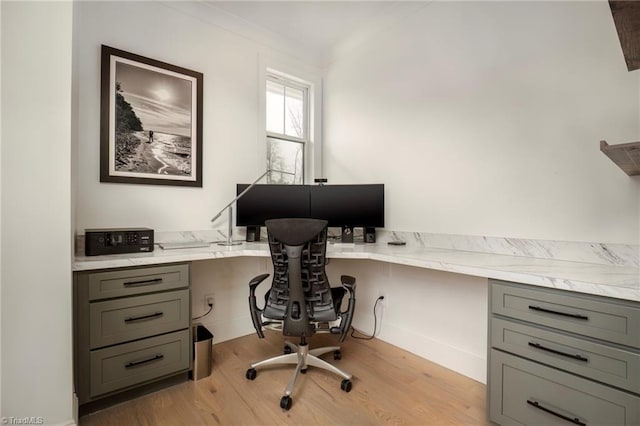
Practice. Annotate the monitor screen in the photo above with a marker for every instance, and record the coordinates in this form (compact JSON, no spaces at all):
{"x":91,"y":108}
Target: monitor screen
{"x":263,"y":202}
{"x":349,"y":205}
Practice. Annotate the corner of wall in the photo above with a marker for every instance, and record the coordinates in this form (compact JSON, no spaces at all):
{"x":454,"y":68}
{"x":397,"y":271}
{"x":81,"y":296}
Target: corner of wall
{"x":74,"y":127}
{"x":1,"y":50}
{"x":36,"y":37}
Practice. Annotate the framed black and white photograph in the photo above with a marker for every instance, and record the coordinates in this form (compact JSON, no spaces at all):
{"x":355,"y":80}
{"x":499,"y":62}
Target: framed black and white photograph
{"x":150,"y":121}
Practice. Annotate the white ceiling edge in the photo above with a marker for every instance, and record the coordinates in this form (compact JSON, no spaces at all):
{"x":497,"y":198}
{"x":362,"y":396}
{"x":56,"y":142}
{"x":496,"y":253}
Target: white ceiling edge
{"x":208,"y":13}
{"x":385,"y":19}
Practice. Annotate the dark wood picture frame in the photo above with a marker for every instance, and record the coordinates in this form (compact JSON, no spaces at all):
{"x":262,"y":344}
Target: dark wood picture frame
{"x":150,"y":121}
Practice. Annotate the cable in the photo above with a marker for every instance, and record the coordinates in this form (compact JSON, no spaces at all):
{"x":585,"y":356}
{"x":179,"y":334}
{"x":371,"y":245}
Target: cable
{"x":205,"y":314}
{"x":375,"y":324}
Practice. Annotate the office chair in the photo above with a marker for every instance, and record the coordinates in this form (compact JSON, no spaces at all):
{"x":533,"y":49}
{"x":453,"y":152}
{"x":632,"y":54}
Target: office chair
{"x":300,"y":301}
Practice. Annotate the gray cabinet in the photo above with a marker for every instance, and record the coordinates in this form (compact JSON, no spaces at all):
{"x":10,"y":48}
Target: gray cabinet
{"x":561,"y":358}
{"x":121,"y":366}
{"x":605,"y":319}
{"x":534,"y":394}
{"x":132,"y":327}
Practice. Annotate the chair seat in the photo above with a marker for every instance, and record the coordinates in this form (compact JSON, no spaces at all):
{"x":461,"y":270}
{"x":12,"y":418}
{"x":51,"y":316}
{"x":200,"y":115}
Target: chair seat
{"x":337,"y":294}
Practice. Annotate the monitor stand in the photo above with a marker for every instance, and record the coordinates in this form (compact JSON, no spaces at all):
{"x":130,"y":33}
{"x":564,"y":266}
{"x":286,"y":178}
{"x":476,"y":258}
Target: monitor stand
{"x":253,"y":233}
{"x":347,"y":234}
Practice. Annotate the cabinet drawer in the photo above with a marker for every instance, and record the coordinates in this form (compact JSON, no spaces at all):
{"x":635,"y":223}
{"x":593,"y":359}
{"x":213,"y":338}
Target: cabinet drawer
{"x":526,"y":393}
{"x":589,"y":316}
{"x":122,"y":320}
{"x":133,"y":363}
{"x":127,"y":282}
{"x":607,"y":364}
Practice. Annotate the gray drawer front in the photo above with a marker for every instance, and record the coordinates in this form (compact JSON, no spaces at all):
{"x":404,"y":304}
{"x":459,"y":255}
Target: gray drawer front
{"x":515,"y":381}
{"x":133,"y":363}
{"x":599,"y":362}
{"x":589,"y":316}
{"x":122,"y":320}
{"x":109,"y":284}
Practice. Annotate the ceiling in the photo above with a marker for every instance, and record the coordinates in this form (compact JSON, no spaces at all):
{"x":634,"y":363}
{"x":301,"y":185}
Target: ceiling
{"x":320,"y":27}
{"x":319,"y":24}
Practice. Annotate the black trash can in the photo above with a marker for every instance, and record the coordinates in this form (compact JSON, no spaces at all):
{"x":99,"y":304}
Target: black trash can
{"x":202,"y":352}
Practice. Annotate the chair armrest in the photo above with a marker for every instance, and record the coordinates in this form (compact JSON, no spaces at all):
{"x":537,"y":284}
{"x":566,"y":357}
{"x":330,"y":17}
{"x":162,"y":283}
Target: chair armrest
{"x":348,"y":282}
{"x":256,"y":281}
{"x":256,"y":313}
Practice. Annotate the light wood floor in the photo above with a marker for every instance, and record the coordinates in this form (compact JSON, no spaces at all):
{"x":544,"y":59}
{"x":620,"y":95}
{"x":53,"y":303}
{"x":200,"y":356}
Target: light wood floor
{"x":390,"y":386}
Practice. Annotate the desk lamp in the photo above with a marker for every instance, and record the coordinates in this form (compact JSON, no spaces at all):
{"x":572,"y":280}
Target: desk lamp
{"x":230,"y":241}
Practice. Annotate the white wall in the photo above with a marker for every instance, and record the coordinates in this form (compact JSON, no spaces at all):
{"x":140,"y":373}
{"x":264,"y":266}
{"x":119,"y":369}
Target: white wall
{"x":227,"y":281}
{"x":233,"y":149}
{"x":484,"y":118}
{"x":0,"y":215}
{"x":440,"y":316}
{"x":437,"y":315}
{"x":36,"y":211}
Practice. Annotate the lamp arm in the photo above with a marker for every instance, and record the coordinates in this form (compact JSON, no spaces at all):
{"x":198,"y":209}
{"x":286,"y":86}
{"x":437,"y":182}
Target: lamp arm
{"x":240,"y":195}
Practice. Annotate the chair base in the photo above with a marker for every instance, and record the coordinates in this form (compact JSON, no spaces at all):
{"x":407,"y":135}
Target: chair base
{"x":303,"y":357}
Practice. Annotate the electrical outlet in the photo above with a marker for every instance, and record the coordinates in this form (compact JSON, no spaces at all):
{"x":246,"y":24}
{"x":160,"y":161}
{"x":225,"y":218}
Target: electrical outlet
{"x":209,"y":300}
{"x":382,"y":300}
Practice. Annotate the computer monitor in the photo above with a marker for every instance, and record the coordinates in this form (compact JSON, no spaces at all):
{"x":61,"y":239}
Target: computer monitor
{"x":264,"y":202}
{"x":349,"y":206}
{"x":344,"y":206}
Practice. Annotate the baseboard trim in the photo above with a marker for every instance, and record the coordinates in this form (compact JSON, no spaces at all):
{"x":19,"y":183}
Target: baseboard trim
{"x":456,"y":359}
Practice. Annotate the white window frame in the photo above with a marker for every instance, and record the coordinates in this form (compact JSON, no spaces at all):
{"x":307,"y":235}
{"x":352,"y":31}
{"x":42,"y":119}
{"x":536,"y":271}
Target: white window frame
{"x":276,"y":78}
{"x":304,"y":76}
{"x":304,"y":140}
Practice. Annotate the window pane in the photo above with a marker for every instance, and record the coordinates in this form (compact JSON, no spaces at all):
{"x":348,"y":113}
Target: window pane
{"x":286,"y":159}
{"x":275,"y":107}
{"x":294,"y":113}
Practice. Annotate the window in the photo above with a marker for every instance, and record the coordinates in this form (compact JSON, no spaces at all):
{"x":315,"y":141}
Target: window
{"x":287,"y":125}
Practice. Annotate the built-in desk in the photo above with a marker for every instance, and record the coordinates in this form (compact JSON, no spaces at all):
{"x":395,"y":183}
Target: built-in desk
{"x":612,"y":288}
{"x":621,"y":282}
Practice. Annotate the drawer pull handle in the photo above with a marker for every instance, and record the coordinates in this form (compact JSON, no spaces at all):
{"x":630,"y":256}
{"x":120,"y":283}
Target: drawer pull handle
{"x":142,"y":282}
{"x":574,"y":420}
{"x":564,"y":314}
{"x":144,"y":361}
{"x":544,"y":348}
{"x":144,"y":317}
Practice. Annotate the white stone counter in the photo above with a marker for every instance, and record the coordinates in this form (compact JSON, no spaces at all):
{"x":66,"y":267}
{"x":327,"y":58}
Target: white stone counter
{"x":610,"y":280}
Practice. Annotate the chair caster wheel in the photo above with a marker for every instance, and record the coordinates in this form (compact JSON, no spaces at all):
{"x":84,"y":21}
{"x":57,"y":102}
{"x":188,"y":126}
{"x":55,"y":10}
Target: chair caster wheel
{"x":337,"y":355}
{"x":286,"y":350}
{"x":346,"y":385}
{"x":285,"y":403}
{"x":303,"y":371}
{"x":251,"y":374}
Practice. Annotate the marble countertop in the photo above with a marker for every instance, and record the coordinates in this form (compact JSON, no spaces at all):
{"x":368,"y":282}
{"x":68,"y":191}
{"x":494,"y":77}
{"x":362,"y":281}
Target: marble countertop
{"x":621,"y":282}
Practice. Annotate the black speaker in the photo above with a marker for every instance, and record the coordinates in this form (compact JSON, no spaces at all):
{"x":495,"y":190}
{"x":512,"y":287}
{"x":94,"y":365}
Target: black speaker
{"x":369,"y":235}
{"x":253,"y":233}
{"x":347,"y":234}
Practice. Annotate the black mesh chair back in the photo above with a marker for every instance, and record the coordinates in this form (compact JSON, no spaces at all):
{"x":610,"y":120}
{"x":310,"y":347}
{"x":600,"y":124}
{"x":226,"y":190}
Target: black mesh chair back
{"x":300,"y":293}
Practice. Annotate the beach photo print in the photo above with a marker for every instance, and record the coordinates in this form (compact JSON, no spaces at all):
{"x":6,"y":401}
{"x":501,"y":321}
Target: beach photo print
{"x":150,"y":121}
